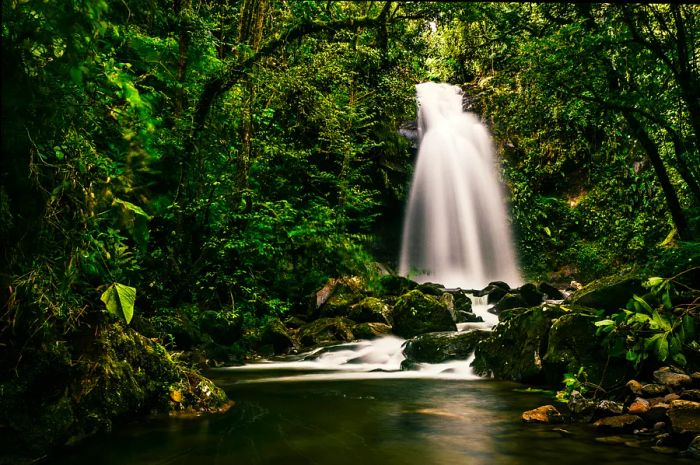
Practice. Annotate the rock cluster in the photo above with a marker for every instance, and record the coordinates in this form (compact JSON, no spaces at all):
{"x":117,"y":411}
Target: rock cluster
{"x":665,"y":417}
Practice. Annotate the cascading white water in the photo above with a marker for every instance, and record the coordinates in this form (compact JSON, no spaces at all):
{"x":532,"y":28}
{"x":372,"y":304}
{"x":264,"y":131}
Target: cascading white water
{"x":456,"y":230}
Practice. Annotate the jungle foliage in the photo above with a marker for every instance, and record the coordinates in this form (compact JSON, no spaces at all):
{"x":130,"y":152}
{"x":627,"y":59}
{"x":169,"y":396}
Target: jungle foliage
{"x":221,"y":160}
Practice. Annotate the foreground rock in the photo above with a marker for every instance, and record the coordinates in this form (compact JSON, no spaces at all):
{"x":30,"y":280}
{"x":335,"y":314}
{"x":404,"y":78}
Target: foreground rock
{"x":442,"y":346}
{"x":545,"y":414}
{"x":416,"y":313}
{"x":326,"y":331}
{"x":610,"y":293}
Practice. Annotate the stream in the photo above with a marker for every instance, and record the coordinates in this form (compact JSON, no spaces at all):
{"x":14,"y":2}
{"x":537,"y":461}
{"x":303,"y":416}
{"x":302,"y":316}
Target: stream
{"x":349,"y":404}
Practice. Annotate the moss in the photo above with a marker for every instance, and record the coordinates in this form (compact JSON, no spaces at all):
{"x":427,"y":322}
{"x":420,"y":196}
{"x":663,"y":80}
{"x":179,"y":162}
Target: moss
{"x":416,"y":313}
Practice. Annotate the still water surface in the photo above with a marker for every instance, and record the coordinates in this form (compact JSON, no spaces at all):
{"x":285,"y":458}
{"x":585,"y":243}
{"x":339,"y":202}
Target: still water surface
{"x":374,"y":421}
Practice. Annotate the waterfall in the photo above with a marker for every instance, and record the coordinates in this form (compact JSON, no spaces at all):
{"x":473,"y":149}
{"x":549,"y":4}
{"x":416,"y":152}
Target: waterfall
{"x":456,"y":230}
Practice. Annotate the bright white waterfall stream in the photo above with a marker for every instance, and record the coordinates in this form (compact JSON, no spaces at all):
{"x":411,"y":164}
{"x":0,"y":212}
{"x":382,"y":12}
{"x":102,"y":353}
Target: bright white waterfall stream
{"x":456,"y":229}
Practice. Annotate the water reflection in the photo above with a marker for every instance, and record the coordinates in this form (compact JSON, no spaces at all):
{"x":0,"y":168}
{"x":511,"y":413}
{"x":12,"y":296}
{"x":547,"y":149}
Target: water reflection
{"x":372,"y":422}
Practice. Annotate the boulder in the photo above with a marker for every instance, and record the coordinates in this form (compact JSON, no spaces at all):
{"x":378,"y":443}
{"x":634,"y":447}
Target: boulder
{"x":370,"y":310}
{"x":396,"y":285}
{"x":619,"y":423}
{"x":442,"y":346}
{"x":340,"y":295}
{"x":653,"y":390}
{"x":508,"y":302}
{"x":608,"y":408}
{"x":573,"y":343}
{"x":436,"y":290}
{"x":416,"y":313}
{"x":635,"y":387}
{"x":326,"y":331}
{"x":685,"y":416}
{"x":275,"y":333}
{"x":671,"y":378}
{"x":515,"y":347}
{"x":545,"y":414}
{"x":493,"y":293}
{"x":370,"y":330}
{"x":530,"y":294}
{"x":610,"y":294}
{"x":550,"y":291}
{"x":694,"y":448}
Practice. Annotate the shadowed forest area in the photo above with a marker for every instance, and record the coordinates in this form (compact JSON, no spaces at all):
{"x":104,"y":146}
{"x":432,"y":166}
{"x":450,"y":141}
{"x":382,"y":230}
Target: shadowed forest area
{"x":179,"y":178}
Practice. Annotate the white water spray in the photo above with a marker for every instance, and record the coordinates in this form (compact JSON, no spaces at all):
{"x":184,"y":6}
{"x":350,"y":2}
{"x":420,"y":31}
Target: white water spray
{"x":456,"y":230}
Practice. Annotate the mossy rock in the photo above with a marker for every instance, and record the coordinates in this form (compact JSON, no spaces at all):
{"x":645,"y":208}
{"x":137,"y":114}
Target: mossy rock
{"x":443,"y":346}
{"x":515,"y":348}
{"x":347,"y":292}
{"x":550,"y":291}
{"x":530,"y":294}
{"x":396,"y":285}
{"x":416,"y":313}
{"x":275,"y":333}
{"x":433,"y":289}
{"x":509,"y":301}
{"x":119,"y":374}
{"x":370,"y":310}
{"x":610,"y":293}
{"x":370,"y":330}
{"x":326,"y":331}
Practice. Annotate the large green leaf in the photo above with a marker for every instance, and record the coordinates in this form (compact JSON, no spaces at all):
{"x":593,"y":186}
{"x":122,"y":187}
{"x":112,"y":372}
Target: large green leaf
{"x":119,"y":300}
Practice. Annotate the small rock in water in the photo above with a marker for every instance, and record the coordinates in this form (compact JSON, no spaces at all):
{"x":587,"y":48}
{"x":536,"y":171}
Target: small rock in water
{"x":543,"y":414}
{"x":691,"y":394}
{"x":639,"y":406}
{"x":612,"y":440}
{"x":659,"y":426}
{"x":665,"y":450}
{"x":694,"y":448}
{"x":619,"y":423}
{"x":606,"y":408}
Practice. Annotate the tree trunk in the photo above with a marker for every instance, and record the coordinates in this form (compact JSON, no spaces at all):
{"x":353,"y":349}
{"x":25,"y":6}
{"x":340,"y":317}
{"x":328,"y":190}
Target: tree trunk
{"x":655,"y":157}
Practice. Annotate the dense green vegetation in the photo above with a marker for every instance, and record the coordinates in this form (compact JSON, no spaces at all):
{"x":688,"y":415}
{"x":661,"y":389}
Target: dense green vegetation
{"x":223,"y":159}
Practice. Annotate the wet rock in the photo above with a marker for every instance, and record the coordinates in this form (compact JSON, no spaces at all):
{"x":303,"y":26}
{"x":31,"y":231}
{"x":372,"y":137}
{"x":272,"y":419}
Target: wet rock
{"x":500,"y":284}
{"x":544,"y":414}
{"x":550,"y":291}
{"x":635,"y":387}
{"x":657,"y":412}
{"x":659,"y":426}
{"x":508,"y":302}
{"x":371,"y":330}
{"x":370,"y":310}
{"x":416,"y":313}
{"x":443,"y":346}
{"x":671,"y":397}
{"x":340,"y":295}
{"x":653,"y":390}
{"x":436,"y":290}
{"x":639,"y":406}
{"x":494,"y":294}
{"x":695,"y":377}
{"x":607,"y":408}
{"x":610,"y":293}
{"x":671,"y":378}
{"x":691,"y":394}
{"x":326,"y":331}
{"x":514,"y":349}
{"x":396,"y":285}
{"x":619,"y":423}
{"x":694,"y":448}
{"x":530,"y":294}
{"x":580,"y":407}
{"x":573,"y":343}
{"x":685,"y":416}
{"x":275,"y":333}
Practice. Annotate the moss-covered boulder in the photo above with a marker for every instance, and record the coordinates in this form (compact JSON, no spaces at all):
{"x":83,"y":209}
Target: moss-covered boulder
{"x":326,"y":331}
{"x":370,"y":310}
{"x":118,"y":375}
{"x":342,"y":294}
{"x":610,"y":293}
{"x":416,"y":313}
{"x":550,"y":291}
{"x":436,"y":290}
{"x":515,"y":348}
{"x":395,"y":285}
{"x":573,"y":343}
{"x":442,"y":346}
{"x":530,"y":294}
{"x":509,"y":301}
{"x":370,"y":330}
{"x":275,"y":334}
